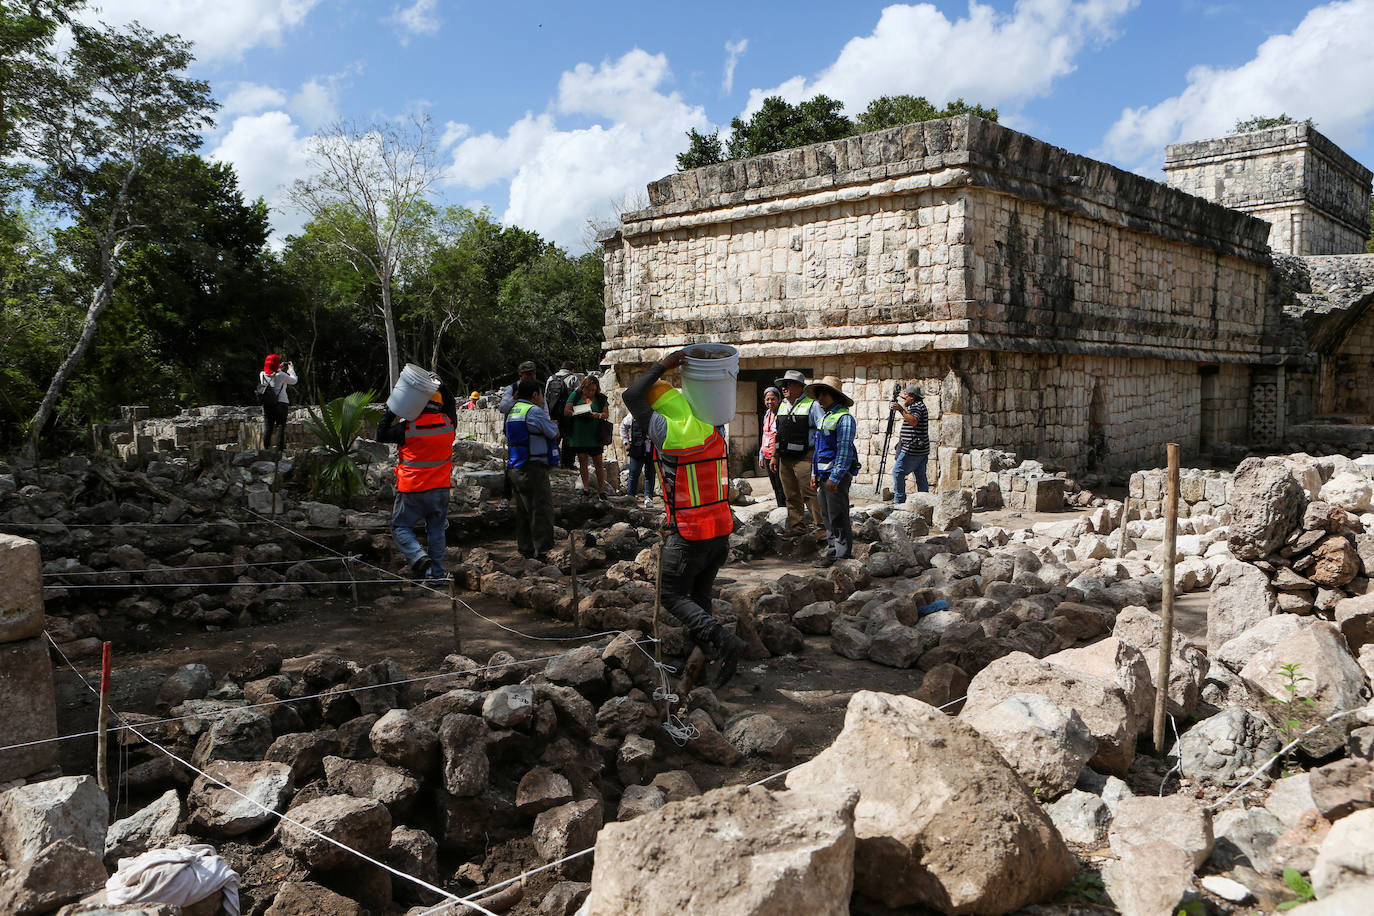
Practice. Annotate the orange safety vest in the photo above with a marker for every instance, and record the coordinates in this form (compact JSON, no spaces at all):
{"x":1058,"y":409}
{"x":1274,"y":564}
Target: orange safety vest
{"x":694,"y":474}
{"x":425,"y":461}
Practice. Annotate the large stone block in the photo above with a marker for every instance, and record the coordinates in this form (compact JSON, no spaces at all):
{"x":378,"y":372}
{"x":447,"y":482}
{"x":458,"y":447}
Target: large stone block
{"x":21,"y":589}
{"x":30,"y":709}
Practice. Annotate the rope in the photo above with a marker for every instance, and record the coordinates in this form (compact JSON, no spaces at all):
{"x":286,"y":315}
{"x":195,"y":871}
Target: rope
{"x":159,"y":569}
{"x":214,"y":521}
{"x":282,"y":817}
{"x":315,"y":696}
{"x":252,"y":584}
{"x":1281,"y":752}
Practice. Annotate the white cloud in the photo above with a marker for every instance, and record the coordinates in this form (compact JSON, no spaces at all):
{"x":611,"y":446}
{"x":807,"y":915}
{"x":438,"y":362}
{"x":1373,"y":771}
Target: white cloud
{"x":560,"y":178}
{"x":987,"y":57}
{"x":268,"y":153}
{"x":420,"y":18}
{"x":1321,"y":70}
{"x":249,"y":98}
{"x":453,"y":132}
{"x":316,"y":103}
{"x":733,"y":50}
{"x":221,"y":31}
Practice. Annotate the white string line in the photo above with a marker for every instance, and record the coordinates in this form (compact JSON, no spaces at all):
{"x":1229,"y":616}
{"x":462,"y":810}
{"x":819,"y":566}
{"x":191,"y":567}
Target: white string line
{"x":255,"y":584}
{"x":442,"y":593}
{"x":214,"y":521}
{"x":328,"y":839}
{"x":1283,"y":750}
{"x":162,"y":569}
{"x":214,"y":715}
{"x":487,"y":891}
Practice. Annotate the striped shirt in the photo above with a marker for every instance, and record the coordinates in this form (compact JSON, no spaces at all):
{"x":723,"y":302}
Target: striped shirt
{"x":915,"y":440}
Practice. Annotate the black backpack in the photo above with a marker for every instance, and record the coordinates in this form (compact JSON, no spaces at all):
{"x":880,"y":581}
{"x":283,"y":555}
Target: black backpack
{"x":267,"y":394}
{"x":556,"y":397}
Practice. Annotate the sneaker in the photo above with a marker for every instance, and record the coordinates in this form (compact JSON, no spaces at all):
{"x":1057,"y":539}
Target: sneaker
{"x":648,"y":502}
{"x":421,"y":566}
{"x":824,"y":563}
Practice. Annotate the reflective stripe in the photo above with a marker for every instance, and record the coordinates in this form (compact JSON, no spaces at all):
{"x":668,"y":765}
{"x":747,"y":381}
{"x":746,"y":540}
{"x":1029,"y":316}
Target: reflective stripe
{"x":429,"y":431}
{"x":425,"y":464}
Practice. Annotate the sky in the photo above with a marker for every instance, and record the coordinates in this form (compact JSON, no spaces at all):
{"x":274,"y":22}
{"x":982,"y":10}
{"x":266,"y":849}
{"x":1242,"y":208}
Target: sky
{"x":556,"y":114}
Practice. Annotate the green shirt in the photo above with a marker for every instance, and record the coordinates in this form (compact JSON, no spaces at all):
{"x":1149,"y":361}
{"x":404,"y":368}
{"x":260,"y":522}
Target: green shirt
{"x":583,"y":431}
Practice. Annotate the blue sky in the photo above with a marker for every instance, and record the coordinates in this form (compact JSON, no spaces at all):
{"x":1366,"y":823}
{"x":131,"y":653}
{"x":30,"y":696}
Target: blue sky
{"x":557,"y":113}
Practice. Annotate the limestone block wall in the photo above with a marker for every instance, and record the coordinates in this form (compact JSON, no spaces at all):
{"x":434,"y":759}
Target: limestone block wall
{"x":26,"y":685}
{"x":1314,"y":195}
{"x":1347,"y":374}
{"x":1200,"y":492}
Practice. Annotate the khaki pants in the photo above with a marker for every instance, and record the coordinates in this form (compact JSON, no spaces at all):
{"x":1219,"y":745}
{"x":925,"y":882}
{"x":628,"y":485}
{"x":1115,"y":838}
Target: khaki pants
{"x":796,"y":485}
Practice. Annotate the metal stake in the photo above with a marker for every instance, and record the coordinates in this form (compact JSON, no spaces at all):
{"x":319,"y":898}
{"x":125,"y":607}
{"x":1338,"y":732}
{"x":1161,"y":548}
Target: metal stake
{"x":102,"y":775}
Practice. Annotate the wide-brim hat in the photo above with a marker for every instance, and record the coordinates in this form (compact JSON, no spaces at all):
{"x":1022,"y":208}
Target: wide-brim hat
{"x":527,"y":366}
{"x":831,"y":384}
{"x":791,"y":375}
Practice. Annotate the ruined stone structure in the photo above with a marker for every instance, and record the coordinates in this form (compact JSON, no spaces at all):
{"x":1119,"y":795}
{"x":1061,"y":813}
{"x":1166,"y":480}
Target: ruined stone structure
{"x":194,"y":429}
{"x":25,"y":670}
{"x":1048,"y":303}
{"x":1314,"y":196}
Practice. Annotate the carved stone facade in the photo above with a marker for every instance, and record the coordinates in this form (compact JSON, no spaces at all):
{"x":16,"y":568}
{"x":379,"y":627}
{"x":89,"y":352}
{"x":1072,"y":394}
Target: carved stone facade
{"x":1315,"y":196}
{"x":1046,"y":302}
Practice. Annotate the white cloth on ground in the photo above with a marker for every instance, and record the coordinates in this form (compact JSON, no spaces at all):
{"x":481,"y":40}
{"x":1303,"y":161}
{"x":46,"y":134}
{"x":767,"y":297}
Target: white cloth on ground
{"x":178,"y":876}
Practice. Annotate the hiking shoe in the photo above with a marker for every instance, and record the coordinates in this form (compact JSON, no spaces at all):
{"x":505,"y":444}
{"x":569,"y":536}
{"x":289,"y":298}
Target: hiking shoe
{"x":824,"y":563}
{"x":421,"y":566}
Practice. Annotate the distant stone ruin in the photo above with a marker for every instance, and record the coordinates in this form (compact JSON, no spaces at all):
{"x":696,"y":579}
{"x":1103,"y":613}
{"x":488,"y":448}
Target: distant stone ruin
{"x":1049,"y":304}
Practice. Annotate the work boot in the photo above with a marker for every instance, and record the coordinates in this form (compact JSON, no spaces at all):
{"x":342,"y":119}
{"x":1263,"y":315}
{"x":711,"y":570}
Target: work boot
{"x":726,"y":659}
{"x":420,"y":568}
{"x":824,"y":563}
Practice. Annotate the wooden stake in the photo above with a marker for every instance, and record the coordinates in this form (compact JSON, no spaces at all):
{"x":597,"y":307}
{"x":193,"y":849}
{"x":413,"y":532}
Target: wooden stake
{"x":1166,"y":639}
{"x":102,"y":741}
{"x":453,"y":606}
{"x":1125,"y":517}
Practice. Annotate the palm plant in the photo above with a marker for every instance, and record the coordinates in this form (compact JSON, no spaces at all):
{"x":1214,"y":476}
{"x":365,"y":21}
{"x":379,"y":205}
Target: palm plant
{"x":336,"y":426}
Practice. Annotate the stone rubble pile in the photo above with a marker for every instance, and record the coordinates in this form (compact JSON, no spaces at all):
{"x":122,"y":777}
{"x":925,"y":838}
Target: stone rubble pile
{"x":454,"y":780}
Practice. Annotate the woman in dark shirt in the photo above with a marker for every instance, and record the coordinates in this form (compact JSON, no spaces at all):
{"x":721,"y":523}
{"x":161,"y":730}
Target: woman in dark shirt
{"x":584,"y":438}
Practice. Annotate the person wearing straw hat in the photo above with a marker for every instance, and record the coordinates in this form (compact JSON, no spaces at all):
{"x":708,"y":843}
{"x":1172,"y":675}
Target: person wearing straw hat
{"x":833,"y":466}
{"x":696,"y":496}
{"x":424,"y":469}
{"x":798,"y":415}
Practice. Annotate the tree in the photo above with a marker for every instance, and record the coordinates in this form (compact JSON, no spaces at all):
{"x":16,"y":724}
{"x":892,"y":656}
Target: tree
{"x":1264,"y":122}
{"x":26,"y":34}
{"x":702,"y":149}
{"x":368,"y":180}
{"x":101,"y":111}
{"x":778,"y":125}
{"x":895,"y":110}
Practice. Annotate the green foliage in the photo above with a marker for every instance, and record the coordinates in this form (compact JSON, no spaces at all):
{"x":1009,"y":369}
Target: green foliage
{"x":1264,"y":122}
{"x":1086,"y":886}
{"x":1194,"y":907}
{"x":702,"y":149}
{"x":1300,"y":886}
{"x":895,"y":110}
{"x":1293,"y":703}
{"x":337,"y":425}
{"x":779,"y":125}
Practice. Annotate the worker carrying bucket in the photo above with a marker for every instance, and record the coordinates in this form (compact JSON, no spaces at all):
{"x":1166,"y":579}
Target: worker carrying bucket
{"x":696,"y":492}
{"x":420,"y":419}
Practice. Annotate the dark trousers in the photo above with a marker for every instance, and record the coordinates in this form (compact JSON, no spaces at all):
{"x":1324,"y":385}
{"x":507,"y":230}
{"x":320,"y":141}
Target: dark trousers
{"x":835,"y":510}
{"x":775,"y":479}
{"x":274,"y":420}
{"x":689,"y":573}
{"x":533,"y":499}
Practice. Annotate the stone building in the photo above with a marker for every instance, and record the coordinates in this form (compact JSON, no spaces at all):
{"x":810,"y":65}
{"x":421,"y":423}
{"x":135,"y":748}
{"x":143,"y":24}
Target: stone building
{"x":1314,"y":196}
{"x":1048,"y":303}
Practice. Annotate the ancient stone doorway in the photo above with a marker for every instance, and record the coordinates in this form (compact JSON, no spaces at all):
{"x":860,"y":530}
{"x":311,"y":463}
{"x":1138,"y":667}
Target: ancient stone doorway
{"x":1209,"y":421}
{"x":1097,"y":427}
{"x":747,"y":433}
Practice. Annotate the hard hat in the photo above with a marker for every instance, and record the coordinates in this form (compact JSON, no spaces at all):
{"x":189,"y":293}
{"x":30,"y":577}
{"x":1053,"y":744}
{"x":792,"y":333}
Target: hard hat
{"x":475,"y":394}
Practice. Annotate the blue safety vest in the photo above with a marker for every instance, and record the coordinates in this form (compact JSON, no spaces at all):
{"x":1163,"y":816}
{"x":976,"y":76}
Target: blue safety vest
{"x":827,"y":442}
{"x":518,"y":439}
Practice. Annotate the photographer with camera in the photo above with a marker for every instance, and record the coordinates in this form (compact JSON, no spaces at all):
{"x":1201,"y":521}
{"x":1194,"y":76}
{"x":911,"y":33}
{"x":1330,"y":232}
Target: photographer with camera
{"x":913,"y":447}
{"x":276,"y":374}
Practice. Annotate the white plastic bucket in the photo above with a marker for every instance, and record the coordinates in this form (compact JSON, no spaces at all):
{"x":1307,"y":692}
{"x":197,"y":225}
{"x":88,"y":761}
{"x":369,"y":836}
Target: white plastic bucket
{"x":412,"y":392}
{"x":709,"y":376}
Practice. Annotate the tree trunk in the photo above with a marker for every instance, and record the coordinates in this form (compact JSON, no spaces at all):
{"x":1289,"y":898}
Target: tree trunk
{"x":393,"y":363}
{"x":99,"y":300}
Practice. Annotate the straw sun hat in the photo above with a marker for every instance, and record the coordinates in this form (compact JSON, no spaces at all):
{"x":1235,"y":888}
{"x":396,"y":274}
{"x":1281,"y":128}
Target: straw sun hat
{"x":832,"y":384}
